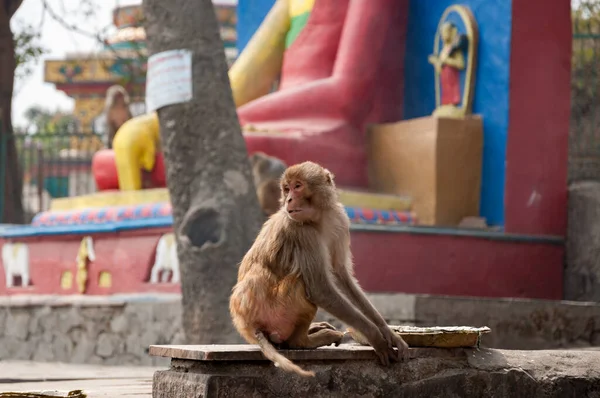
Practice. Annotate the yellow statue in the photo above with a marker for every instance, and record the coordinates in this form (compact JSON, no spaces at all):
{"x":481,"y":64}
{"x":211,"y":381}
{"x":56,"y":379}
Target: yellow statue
{"x":86,"y":251}
{"x":252,"y":76}
{"x":449,"y":61}
{"x":136,"y":144}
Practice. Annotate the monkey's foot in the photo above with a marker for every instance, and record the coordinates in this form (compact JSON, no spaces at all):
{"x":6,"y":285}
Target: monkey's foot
{"x":316,"y":326}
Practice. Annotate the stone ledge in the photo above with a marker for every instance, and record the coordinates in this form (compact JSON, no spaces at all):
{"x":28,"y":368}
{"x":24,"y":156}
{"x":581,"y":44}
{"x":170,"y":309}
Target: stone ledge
{"x":78,"y":329}
{"x":52,"y":300}
{"x":232,"y":371}
{"x":248,"y":352}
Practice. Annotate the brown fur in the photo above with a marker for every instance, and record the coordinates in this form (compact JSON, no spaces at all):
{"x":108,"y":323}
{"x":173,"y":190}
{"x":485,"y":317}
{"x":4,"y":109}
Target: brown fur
{"x":266,"y":171}
{"x":300,"y":261}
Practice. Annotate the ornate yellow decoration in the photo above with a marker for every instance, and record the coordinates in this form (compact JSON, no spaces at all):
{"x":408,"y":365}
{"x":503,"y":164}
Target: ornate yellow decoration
{"x":66,"y":280}
{"x":105,"y":280}
{"x":86,"y":251}
{"x":472,"y":34}
{"x":161,"y":195}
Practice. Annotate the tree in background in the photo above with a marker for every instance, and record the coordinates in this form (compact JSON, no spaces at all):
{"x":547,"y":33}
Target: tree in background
{"x":18,"y":51}
{"x":43,"y":121}
{"x":215,"y":209}
{"x":11,"y":208}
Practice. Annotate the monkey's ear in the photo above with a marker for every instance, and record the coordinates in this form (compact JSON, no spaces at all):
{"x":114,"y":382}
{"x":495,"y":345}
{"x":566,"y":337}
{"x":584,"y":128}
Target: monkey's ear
{"x":254,"y":158}
{"x":330,"y":176}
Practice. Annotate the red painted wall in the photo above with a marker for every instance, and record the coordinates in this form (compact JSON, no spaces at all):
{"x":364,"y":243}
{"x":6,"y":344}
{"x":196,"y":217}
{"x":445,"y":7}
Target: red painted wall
{"x":385,"y":262}
{"x":461,"y":266}
{"x":344,"y":71}
{"x":540,"y":105}
{"x":128,"y":256}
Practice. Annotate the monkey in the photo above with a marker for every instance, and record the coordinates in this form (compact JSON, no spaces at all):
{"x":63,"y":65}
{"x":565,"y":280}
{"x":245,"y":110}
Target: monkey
{"x":266,"y":171}
{"x":300,"y":261}
{"x":116,"y":108}
{"x":268,"y":196}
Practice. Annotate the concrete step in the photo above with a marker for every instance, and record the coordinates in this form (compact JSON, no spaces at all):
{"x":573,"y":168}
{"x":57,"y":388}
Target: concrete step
{"x":352,"y":371}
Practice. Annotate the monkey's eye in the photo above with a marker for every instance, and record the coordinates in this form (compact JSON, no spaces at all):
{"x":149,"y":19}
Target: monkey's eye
{"x":298,"y":185}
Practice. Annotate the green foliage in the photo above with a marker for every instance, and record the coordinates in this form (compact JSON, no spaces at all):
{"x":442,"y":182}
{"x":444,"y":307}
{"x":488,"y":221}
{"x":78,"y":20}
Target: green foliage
{"x":584,"y":137}
{"x":28,"y":50}
{"x":47,"y":134}
{"x":44,"y":121}
{"x":585,"y":81}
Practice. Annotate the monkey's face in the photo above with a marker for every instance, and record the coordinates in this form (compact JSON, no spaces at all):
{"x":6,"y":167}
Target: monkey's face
{"x":297,"y":201}
{"x":307,"y":190}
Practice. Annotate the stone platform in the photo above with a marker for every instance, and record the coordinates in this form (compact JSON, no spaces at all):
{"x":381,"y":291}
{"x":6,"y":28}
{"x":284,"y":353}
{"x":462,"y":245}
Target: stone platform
{"x":352,"y":371}
{"x":118,"y":329}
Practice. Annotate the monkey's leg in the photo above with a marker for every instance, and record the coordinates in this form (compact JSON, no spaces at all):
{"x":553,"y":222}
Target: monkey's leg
{"x":316,"y":326}
{"x":302,"y":339}
{"x":318,"y":339}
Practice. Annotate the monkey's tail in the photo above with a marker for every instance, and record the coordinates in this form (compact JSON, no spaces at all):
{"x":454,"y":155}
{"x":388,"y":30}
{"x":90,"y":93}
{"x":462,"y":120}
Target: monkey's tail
{"x":272,"y":355}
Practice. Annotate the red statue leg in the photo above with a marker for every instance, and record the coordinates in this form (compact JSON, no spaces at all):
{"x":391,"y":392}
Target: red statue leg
{"x":337,"y":147}
{"x":324,"y":120}
{"x":104,"y":170}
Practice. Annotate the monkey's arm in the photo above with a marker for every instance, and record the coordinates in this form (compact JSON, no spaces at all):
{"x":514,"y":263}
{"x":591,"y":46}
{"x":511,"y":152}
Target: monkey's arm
{"x":349,"y":286}
{"x":344,"y":276}
{"x":322,"y":291}
{"x":315,"y":267}
{"x":343,"y":272}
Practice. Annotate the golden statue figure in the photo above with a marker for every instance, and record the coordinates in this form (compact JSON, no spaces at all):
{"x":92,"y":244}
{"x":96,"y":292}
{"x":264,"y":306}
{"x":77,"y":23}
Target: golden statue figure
{"x":449,"y":61}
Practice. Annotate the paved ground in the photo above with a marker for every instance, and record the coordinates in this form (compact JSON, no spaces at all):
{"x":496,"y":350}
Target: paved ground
{"x":95,"y":380}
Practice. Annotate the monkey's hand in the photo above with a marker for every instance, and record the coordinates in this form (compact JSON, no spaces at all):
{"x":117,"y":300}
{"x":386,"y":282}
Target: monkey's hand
{"x":383,"y":351}
{"x":395,"y":340}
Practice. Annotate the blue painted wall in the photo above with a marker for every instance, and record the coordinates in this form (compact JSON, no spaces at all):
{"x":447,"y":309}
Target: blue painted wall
{"x":492,"y":83}
{"x":491,"y":88}
{"x":250,"y":14}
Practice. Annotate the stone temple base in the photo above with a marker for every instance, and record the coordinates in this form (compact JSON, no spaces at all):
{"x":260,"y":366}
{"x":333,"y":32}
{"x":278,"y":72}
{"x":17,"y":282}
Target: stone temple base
{"x":352,"y":371}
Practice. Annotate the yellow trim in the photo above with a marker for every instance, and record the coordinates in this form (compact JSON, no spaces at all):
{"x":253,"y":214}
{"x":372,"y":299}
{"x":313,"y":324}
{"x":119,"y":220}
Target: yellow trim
{"x":473,"y":34}
{"x":112,"y":198}
{"x":374,"y":201}
{"x":299,"y":7}
{"x":161,"y":195}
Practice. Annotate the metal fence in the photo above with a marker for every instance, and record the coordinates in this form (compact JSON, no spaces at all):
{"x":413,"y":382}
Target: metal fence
{"x":54,"y":165}
{"x":584,"y":134}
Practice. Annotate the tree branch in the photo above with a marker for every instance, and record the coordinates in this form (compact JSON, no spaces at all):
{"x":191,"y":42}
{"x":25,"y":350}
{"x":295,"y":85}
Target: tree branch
{"x":96,"y":36}
{"x":11,"y":6}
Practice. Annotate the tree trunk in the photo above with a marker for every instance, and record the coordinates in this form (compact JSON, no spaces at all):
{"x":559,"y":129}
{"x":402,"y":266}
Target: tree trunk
{"x":216,"y":214}
{"x":11,"y":208}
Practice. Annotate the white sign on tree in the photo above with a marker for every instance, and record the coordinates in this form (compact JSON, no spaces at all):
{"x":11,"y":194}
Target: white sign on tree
{"x":168,"y":79}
